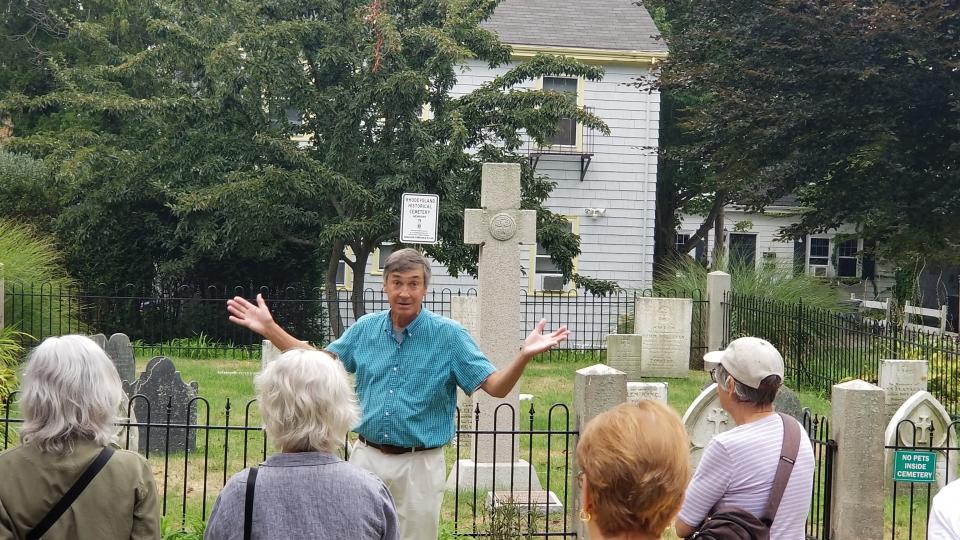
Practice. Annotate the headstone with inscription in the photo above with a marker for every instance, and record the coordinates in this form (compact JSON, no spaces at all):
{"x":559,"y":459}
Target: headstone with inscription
{"x":637,"y":391}
{"x":500,"y":227}
{"x":664,"y":325}
{"x":623,"y":353}
{"x":165,"y":399}
{"x":901,"y":379}
{"x":704,"y":420}
{"x":466,"y":311}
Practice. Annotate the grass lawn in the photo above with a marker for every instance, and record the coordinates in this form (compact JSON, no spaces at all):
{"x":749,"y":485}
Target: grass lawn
{"x":183,"y":479}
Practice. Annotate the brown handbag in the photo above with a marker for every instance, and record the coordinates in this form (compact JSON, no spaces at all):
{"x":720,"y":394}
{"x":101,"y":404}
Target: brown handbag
{"x":732,"y":523}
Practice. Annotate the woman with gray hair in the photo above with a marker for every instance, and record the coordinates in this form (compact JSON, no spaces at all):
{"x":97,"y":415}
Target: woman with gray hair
{"x":307,"y":404}
{"x":65,"y":480}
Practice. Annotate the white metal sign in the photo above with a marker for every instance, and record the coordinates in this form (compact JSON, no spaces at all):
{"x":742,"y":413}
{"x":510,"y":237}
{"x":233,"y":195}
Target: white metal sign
{"x":419,"y":213}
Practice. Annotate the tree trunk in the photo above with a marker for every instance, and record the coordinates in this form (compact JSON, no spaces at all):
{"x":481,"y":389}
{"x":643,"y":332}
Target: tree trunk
{"x":360,"y":256}
{"x":718,"y":247}
{"x":330,"y":289}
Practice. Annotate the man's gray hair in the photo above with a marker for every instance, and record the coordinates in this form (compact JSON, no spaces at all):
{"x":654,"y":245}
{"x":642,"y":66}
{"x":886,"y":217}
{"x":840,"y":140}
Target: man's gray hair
{"x":306,"y":401}
{"x":405,"y":260}
{"x":764,"y":395}
{"x":71,"y":392}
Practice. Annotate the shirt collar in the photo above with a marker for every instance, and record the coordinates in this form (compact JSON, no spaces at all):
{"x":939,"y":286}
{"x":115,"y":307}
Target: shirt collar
{"x":300,"y":459}
{"x":410,"y":328}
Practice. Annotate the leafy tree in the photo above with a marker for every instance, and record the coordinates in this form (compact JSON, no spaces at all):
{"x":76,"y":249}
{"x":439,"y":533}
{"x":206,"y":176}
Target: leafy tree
{"x":852,"y":106}
{"x":204,"y":112}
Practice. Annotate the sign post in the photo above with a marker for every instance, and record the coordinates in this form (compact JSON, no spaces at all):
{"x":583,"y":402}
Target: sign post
{"x":914,"y":466}
{"x":419,"y":218}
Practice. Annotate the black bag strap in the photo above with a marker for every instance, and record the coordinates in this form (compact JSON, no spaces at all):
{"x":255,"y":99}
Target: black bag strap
{"x":71,"y":495}
{"x":788,"y":456}
{"x":248,"y":504}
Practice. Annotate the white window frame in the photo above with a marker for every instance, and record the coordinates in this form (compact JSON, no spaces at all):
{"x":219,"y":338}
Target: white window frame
{"x":534,"y":279}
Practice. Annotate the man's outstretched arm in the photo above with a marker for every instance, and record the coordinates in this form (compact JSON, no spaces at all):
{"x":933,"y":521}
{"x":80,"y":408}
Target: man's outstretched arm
{"x":258,"y":319}
{"x":501,"y":381}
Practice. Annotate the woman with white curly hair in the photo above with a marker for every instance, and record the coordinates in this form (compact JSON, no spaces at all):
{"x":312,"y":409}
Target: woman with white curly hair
{"x":308,"y":405}
{"x":66,"y":480}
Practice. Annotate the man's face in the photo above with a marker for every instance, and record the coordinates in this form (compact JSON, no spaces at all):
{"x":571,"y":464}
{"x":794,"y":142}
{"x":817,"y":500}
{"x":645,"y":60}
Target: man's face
{"x":405,"y":292}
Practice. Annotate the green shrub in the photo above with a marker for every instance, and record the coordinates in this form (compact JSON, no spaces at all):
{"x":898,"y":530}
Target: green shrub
{"x":30,"y":260}
{"x":764,"y":281}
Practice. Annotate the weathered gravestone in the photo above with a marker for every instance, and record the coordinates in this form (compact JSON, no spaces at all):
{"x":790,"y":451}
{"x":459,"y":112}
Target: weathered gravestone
{"x":637,"y":391}
{"x":100,"y":340}
{"x":704,"y":420}
{"x":664,"y":324}
{"x":120,"y":350}
{"x":164,"y":396}
{"x":500,"y":227}
{"x":921,"y":423}
{"x":788,"y":402}
{"x":466,"y":311}
{"x":624,"y":353}
{"x":901,"y":379}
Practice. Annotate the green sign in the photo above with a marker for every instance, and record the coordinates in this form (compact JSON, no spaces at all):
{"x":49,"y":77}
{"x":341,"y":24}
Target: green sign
{"x":912,"y":466}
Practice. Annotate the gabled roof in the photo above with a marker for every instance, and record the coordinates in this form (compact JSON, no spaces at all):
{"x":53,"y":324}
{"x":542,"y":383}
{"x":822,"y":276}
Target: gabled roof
{"x":616,"y":25}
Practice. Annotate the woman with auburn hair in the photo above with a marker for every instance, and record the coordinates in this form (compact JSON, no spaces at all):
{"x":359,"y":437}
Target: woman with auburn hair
{"x":307,"y":404}
{"x":70,"y":397}
{"x":634,"y":468}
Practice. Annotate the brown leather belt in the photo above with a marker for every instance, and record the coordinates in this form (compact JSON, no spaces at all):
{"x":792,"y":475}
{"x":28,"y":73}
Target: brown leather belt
{"x":391,"y":449}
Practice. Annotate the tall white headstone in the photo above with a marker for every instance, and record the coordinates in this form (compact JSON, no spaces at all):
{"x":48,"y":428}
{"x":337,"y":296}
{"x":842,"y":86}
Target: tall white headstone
{"x":500,"y":227}
{"x":664,"y":326}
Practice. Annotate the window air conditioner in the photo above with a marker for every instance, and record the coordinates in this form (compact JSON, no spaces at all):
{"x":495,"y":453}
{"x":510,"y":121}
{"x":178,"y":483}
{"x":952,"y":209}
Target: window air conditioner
{"x":553,"y":283}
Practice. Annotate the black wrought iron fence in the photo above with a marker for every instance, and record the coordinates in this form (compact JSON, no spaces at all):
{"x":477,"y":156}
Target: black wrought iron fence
{"x":195,"y":459}
{"x":824,"y":450}
{"x":908,"y":511}
{"x":187,"y":321}
{"x":823,"y":347}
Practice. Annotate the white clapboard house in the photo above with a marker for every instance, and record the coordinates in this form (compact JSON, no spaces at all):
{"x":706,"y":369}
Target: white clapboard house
{"x":606,"y":185}
{"x":752,"y":238}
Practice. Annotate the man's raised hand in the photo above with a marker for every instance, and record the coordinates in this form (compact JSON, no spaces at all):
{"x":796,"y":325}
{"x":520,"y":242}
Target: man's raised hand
{"x":538,"y":342}
{"x":255,"y":317}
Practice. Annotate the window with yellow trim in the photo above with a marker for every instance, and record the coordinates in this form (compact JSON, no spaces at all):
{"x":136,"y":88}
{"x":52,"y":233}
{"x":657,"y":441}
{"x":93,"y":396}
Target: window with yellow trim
{"x":379,"y":259}
{"x":566,"y":134}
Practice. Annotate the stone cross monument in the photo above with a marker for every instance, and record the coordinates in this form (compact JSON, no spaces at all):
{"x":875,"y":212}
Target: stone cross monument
{"x":500,"y":227}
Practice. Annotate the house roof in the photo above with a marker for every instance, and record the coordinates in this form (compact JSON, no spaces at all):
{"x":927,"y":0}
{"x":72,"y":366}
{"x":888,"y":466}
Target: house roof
{"x":617,"y":25}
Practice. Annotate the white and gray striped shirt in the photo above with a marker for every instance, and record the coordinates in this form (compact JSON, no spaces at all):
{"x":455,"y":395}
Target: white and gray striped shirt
{"x":737,"y":469}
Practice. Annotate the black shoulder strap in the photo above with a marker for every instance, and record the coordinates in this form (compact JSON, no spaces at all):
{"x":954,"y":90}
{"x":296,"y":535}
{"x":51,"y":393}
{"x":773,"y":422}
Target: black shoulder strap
{"x":248,"y":504}
{"x":71,"y":495}
{"x":788,"y":456}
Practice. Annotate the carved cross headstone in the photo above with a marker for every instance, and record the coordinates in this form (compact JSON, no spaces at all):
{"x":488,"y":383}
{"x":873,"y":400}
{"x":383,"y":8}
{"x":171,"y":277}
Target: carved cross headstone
{"x":923,"y":426}
{"x":500,"y":227}
{"x":716,"y":417}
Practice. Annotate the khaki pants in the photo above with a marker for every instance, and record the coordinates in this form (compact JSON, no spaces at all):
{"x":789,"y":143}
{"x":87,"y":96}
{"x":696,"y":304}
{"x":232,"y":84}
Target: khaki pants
{"x":416,"y":481}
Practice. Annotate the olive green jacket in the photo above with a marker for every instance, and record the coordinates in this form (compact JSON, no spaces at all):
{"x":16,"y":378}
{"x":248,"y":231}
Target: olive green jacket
{"x":120,"y":503}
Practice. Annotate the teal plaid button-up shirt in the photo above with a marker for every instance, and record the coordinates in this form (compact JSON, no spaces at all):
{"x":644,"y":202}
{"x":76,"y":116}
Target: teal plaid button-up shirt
{"x":407,"y":384}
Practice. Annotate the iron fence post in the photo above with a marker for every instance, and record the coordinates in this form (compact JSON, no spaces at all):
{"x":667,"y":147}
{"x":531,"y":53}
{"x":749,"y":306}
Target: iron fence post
{"x":798,"y":344}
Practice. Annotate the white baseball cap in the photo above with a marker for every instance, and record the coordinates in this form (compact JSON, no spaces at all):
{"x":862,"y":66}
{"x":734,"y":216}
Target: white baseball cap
{"x":749,"y":360}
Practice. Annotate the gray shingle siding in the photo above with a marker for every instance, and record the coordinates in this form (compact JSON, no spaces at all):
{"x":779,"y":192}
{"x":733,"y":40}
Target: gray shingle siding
{"x":617,"y":25}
